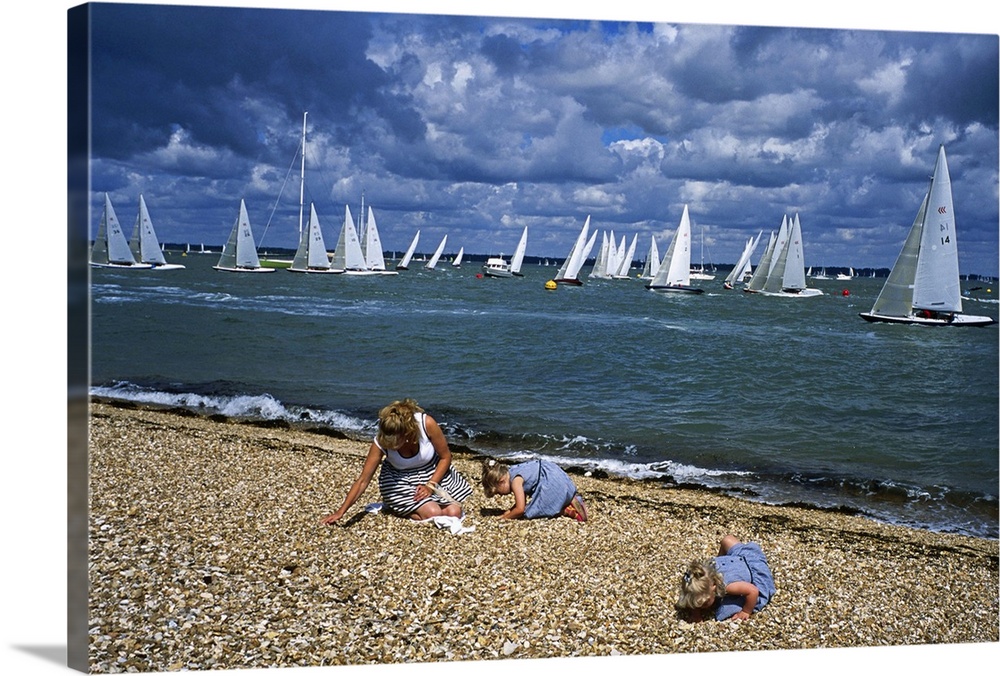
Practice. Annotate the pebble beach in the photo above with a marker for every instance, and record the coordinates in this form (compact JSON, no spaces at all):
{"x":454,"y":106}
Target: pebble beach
{"x":206,"y":551}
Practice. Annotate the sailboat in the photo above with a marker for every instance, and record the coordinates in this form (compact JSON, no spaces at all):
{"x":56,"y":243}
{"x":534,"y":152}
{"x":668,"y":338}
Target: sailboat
{"x":759,"y":276}
{"x":240,"y":253}
{"x":374,"y":257}
{"x":310,"y":256}
{"x":348,"y":257}
{"x":432,"y":263}
{"x":923,"y":286}
{"x":699,"y":272}
{"x":404,"y":263}
{"x":518,"y":258}
{"x":110,"y":248}
{"x":457,"y":263}
{"x":742,"y":266}
{"x":652,"y":263}
{"x":626,"y":258}
{"x":604,"y":256}
{"x":674,"y":273}
{"x":144,"y":245}
{"x":844,"y":276}
{"x":570,"y":269}
{"x":787,"y":277}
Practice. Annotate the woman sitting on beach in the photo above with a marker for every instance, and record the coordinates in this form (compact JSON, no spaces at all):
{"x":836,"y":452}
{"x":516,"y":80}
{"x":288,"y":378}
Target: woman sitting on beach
{"x":416,"y":479}
{"x":732,"y":585}
{"x":540,"y":488}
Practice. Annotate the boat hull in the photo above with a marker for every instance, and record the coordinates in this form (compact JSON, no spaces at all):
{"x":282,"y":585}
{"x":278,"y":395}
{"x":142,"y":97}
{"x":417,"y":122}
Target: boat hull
{"x":502,"y":274}
{"x":955,"y":320}
{"x":675,"y":288}
{"x":123,"y":266}
{"x":804,"y":293}
{"x":568,"y":281}
{"x":223,"y":268}
{"x":316,"y":271}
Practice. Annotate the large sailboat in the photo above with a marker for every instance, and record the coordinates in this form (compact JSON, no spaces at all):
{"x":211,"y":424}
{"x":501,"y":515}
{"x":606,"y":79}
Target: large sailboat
{"x":674,"y":273}
{"x":787,"y":276}
{"x":374,"y":256}
{"x":144,"y":245}
{"x":240,"y":253}
{"x":111,"y":249}
{"x":348,"y":256}
{"x":923,"y":286}
{"x":569,"y":271}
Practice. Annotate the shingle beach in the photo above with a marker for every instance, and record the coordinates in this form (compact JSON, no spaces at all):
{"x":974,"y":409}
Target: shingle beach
{"x":206,"y":551}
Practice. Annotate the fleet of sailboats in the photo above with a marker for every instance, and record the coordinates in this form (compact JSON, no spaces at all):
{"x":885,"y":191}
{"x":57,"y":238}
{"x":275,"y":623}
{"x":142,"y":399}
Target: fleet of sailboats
{"x":923,"y":286}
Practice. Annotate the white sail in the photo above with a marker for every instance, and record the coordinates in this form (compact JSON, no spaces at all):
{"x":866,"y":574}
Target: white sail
{"x":627,"y":258}
{"x":759,"y":276}
{"x":743,"y":264}
{"x":518,"y":259}
{"x":347,"y":256}
{"x":600,"y":269}
{"x":570,"y":268}
{"x":652,"y":263}
{"x":675,"y":268}
{"x":144,"y":245}
{"x":795,"y":271}
{"x":458,"y":257}
{"x":405,"y":261}
{"x":936,"y":282}
{"x":432,"y":263}
{"x":374,"y":258}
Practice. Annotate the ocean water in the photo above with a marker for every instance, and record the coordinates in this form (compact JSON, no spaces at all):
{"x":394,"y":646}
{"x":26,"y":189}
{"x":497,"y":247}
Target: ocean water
{"x":772,"y":399}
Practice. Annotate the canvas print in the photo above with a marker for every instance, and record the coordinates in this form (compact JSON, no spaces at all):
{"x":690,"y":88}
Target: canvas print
{"x":423,"y":338}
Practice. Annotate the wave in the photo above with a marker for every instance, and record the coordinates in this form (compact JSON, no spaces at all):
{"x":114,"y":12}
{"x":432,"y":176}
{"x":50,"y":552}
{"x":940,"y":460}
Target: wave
{"x":935,"y":508}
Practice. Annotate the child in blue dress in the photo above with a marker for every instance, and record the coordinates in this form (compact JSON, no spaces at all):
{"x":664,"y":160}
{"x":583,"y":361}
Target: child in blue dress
{"x":540,"y":489}
{"x":733,"y":585}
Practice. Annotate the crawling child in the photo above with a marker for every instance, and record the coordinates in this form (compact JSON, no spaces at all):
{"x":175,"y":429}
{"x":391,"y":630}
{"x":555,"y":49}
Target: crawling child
{"x":732,"y":585}
{"x":540,"y":488}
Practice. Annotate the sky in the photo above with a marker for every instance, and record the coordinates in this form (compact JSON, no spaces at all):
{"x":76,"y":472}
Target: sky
{"x":476,"y":126}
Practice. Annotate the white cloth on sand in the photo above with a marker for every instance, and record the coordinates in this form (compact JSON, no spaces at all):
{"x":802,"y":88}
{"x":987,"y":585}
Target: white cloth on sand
{"x":451,"y":523}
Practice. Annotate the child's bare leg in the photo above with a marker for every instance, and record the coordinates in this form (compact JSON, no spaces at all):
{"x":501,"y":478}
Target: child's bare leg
{"x":727,"y":543}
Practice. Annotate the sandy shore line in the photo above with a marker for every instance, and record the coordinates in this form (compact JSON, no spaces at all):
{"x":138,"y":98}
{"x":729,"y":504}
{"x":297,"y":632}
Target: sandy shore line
{"x":206,"y":551}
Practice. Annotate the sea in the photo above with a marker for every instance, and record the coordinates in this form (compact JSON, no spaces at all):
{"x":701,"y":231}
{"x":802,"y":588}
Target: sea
{"x":776,"y":400}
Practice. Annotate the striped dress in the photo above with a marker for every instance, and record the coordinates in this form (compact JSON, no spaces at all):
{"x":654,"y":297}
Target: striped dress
{"x":399,"y":477}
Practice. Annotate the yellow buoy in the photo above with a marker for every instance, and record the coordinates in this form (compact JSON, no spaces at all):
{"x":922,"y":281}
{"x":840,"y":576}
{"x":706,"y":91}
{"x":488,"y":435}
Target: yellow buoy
{"x":551,"y":285}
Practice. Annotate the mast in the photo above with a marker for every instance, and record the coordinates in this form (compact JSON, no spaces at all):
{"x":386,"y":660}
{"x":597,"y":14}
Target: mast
{"x":302,"y":173}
